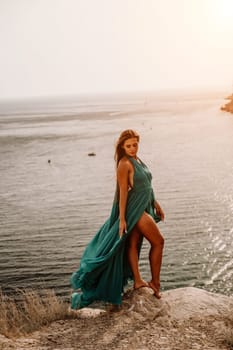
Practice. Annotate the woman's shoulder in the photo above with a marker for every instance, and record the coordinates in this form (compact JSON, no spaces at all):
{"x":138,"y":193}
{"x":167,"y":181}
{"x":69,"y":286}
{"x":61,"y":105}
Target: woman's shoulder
{"x":125,"y":163}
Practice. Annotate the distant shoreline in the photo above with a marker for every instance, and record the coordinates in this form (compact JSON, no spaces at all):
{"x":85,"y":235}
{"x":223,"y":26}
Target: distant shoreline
{"x":84,"y":106}
{"x":228,"y":107}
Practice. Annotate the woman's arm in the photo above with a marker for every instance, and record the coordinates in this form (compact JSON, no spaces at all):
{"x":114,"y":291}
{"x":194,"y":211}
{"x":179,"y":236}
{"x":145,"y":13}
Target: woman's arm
{"x":122,"y":178}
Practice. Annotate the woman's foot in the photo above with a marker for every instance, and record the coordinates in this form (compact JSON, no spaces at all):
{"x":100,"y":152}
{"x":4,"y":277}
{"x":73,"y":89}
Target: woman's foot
{"x":140,"y":284}
{"x":155,"y":289}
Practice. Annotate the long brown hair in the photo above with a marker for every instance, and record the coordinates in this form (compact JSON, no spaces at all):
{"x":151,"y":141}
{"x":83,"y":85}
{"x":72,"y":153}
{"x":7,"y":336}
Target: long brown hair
{"x":125,"y":135}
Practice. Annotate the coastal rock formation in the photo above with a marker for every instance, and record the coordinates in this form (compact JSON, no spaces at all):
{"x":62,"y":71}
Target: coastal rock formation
{"x":184,"y":318}
{"x":228,"y":107}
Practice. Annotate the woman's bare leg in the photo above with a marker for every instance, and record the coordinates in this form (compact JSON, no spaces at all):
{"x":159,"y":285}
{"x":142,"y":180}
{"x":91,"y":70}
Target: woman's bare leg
{"x":150,"y":231}
{"x":134,"y":240}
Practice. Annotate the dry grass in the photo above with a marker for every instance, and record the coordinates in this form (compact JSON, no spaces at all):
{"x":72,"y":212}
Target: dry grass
{"x":228,"y":332}
{"x":34,"y":310}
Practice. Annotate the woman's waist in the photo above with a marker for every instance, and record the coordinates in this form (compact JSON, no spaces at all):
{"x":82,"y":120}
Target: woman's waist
{"x":142,"y":188}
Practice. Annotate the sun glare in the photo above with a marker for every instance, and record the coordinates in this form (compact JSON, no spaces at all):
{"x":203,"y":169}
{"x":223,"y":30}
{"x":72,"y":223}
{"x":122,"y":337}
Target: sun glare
{"x":226,"y":9}
{"x":223,"y":10}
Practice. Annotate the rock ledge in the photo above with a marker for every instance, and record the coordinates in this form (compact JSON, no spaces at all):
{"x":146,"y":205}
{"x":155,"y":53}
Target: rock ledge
{"x":184,"y":318}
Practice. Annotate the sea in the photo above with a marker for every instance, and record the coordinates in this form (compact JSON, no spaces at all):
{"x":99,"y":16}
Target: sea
{"x":54,"y":195}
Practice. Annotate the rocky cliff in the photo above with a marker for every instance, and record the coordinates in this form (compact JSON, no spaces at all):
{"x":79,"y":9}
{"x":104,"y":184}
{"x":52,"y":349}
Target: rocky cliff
{"x":184,"y":318}
{"x":228,"y":107}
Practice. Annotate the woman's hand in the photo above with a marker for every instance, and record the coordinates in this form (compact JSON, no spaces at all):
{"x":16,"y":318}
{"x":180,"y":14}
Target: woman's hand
{"x":159,"y":211}
{"x":122,"y":227}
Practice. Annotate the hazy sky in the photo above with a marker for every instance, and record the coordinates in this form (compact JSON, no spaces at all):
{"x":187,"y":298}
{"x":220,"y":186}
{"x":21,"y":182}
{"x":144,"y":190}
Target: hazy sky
{"x":54,"y":47}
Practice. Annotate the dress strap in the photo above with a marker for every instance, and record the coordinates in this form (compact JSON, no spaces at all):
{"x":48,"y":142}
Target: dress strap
{"x":140,"y":162}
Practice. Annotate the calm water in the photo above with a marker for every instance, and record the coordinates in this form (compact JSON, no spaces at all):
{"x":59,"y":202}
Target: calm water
{"x":49,"y":211}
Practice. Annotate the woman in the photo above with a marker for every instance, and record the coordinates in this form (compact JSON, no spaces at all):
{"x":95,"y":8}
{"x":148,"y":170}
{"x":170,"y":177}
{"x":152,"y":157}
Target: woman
{"x":111,"y":258}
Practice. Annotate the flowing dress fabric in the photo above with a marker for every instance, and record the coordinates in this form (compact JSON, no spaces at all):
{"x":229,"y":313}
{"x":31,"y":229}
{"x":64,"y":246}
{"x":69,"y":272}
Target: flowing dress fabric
{"x":104,"y":269}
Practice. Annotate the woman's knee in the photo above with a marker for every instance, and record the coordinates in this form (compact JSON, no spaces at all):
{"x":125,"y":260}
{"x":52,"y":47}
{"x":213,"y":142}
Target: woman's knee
{"x":158,"y":242}
{"x":150,"y":230}
{"x":162,"y":241}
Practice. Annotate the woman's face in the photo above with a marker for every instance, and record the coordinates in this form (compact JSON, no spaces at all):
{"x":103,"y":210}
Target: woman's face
{"x":130,"y":147}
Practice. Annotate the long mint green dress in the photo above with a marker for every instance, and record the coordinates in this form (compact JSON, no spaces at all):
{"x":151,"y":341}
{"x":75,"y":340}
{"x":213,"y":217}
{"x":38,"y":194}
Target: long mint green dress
{"x":104,"y":269}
